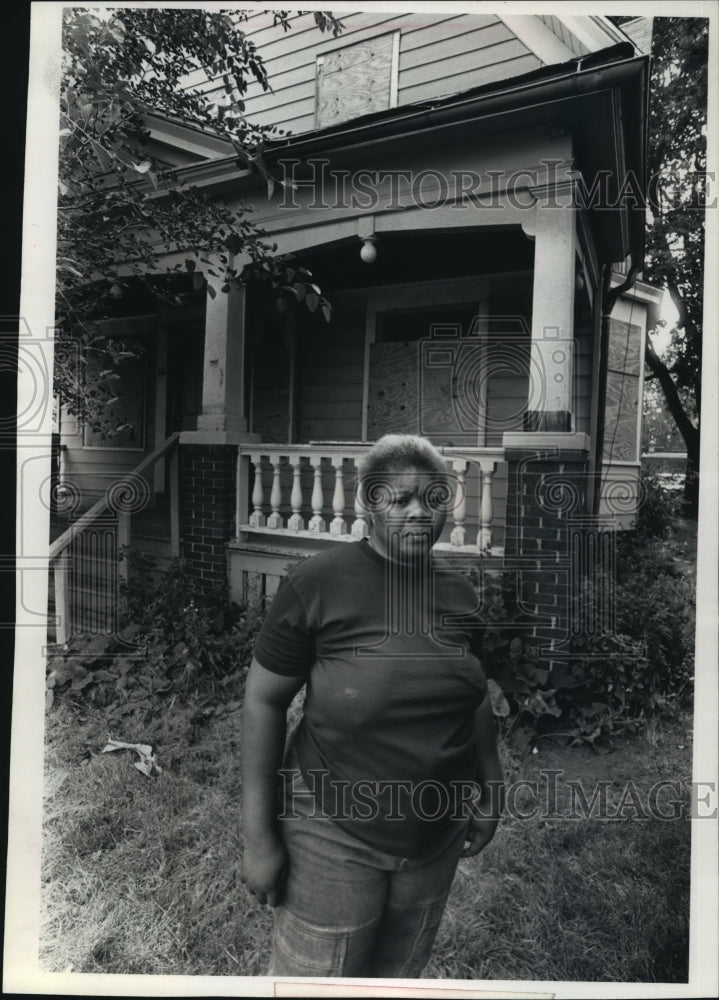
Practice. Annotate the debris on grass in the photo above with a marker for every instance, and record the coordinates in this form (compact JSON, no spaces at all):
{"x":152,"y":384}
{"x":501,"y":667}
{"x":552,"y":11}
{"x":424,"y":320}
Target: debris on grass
{"x":147,"y":762}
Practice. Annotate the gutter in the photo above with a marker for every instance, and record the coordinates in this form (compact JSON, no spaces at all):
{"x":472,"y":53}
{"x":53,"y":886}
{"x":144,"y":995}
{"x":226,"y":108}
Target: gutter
{"x":611,"y":68}
{"x":579,"y":77}
{"x":484,"y":102}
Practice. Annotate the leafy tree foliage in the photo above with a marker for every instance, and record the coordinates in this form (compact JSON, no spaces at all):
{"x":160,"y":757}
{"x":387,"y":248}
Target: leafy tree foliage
{"x":675,"y":238}
{"x":120,"y":209}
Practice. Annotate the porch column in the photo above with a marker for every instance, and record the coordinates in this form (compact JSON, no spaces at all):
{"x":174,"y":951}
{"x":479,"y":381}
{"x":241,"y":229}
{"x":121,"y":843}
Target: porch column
{"x":549,"y":407}
{"x":223,"y":376}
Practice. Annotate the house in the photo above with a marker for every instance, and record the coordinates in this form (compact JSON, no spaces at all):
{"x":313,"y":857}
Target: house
{"x":463,"y":187}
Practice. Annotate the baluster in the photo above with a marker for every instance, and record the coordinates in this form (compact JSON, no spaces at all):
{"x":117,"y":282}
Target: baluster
{"x":124,"y":539}
{"x":275,"y":518}
{"x":359,"y":526}
{"x":338,"y":526}
{"x":257,"y":517}
{"x":296,"y":521}
{"x":484,"y":535}
{"x":459,"y":511}
{"x":175,"y":502}
{"x":317,"y":522}
{"x":62,"y":599}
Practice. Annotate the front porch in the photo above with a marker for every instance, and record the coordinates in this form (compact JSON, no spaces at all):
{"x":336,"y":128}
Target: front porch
{"x":303,"y":498}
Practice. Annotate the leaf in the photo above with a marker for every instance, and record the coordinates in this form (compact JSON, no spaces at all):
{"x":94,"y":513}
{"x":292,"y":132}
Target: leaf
{"x":312,"y":302}
{"x":78,"y":683}
{"x":500,"y":705}
{"x":198,"y":281}
{"x":142,"y":167}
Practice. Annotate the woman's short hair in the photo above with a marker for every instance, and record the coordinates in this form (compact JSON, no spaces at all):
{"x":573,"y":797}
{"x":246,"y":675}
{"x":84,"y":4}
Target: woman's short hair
{"x":394,"y":453}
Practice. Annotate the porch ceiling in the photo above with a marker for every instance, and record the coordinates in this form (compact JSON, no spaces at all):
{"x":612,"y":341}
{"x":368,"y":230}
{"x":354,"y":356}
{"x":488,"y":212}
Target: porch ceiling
{"x":423,"y":256}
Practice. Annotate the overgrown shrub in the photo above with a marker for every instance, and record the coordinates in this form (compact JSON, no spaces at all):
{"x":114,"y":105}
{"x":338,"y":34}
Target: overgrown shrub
{"x":199,"y":632}
{"x":611,"y":680}
{"x":174,"y":639}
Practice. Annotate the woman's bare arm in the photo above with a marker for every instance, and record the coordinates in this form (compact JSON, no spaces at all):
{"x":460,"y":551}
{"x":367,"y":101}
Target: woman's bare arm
{"x":264,"y":722}
{"x":489,"y":779}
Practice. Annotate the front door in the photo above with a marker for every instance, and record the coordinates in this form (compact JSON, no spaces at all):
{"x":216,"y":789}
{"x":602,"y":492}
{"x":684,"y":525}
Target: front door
{"x":424,"y":374}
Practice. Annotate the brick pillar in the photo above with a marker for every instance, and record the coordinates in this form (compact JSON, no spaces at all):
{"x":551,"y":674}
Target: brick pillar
{"x":208,"y":509}
{"x":547,"y":494}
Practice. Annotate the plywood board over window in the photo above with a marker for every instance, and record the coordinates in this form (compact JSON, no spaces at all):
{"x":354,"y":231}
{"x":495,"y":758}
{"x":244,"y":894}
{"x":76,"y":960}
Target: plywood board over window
{"x":623,"y":413}
{"x":356,"y":80}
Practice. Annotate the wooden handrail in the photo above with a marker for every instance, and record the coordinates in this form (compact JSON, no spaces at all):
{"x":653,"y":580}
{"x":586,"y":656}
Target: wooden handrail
{"x":89,"y":516}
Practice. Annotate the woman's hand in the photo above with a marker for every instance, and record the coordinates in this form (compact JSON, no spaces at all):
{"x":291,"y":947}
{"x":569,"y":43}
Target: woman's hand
{"x":480,"y":832}
{"x":264,"y":867}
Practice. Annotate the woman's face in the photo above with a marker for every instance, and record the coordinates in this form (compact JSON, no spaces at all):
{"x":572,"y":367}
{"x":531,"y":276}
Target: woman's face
{"x":408,"y":512}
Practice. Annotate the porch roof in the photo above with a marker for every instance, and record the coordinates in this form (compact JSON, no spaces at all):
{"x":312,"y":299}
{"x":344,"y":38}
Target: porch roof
{"x":602,"y":98}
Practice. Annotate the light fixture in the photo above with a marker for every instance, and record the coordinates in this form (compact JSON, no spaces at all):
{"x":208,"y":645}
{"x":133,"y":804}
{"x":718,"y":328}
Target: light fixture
{"x":368,"y":253}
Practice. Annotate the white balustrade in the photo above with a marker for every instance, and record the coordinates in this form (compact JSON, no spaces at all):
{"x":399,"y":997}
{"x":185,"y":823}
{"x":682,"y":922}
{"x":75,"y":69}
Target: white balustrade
{"x":257,"y":517}
{"x":296,"y":521}
{"x":275,"y":518}
{"x":338,"y":525}
{"x":360,"y":528}
{"x":317,"y":522}
{"x":459,"y":511}
{"x":486,"y":510}
{"x":350,"y":518}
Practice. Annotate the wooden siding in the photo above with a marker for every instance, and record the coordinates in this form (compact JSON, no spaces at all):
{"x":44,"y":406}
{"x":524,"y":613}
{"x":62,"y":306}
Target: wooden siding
{"x":556,"y":26}
{"x":639,"y":30}
{"x":92,"y":464}
{"x":330,"y":376}
{"x":438,"y":56}
{"x":270,"y":379}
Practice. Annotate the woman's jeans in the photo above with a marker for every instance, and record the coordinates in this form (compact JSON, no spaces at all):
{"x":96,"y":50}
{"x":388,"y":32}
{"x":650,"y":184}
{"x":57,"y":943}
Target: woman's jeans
{"x":351,"y":910}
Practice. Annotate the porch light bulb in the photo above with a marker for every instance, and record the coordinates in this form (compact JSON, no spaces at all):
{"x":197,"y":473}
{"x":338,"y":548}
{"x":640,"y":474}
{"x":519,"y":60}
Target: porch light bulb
{"x":368,"y":253}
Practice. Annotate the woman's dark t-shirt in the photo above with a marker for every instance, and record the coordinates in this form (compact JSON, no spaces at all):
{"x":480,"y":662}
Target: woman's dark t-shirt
{"x":393,"y":681}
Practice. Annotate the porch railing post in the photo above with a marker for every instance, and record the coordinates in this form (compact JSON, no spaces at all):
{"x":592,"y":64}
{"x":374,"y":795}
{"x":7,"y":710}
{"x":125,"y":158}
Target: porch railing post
{"x":242,"y":488}
{"x":62,"y":600}
{"x":459,"y":511}
{"x":317,"y":522}
{"x":359,"y":525}
{"x":175,"y":502}
{"x":124,"y":538}
{"x":275,"y":518}
{"x":338,"y":525}
{"x":257,"y":517}
{"x":486,"y":510}
{"x":296,"y":521}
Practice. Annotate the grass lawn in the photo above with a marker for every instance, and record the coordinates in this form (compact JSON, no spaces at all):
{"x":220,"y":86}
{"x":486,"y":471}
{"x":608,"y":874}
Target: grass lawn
{"x":141,"y":875}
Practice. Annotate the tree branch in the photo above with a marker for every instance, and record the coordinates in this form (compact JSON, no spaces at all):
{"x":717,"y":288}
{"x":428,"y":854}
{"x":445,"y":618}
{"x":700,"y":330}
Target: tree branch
{"x":659,"y":370}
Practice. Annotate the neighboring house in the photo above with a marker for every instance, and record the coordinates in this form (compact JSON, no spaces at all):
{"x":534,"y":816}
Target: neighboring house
{"x":460,"y":185}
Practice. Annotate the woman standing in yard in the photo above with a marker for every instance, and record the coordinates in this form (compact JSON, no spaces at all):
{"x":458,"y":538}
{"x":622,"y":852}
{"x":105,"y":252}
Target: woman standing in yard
{"x":356,"y":837}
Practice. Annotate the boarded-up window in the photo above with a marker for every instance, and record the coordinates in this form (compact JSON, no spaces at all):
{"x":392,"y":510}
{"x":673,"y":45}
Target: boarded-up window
{"x":356,"y":80}
{"x":623,"y":412}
